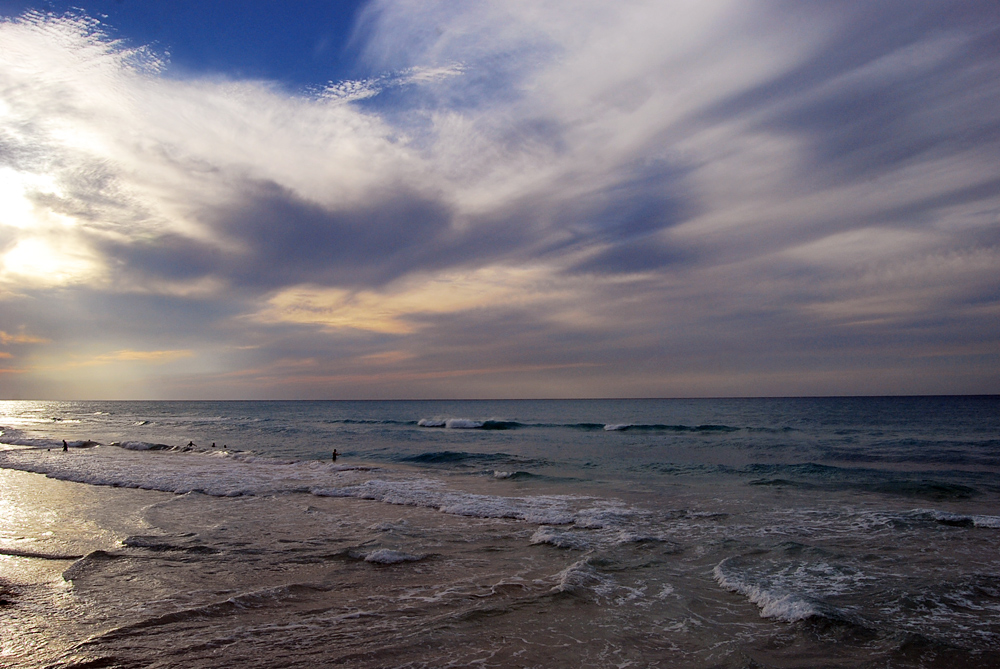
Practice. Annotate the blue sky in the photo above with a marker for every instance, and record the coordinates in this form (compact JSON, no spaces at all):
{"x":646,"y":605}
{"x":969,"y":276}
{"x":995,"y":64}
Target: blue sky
{"x":298,"y":45}
{"x":483,"y":199}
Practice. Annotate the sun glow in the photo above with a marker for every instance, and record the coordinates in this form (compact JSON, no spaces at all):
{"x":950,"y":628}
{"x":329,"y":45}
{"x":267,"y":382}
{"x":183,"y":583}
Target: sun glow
{"x":41,"y":262}
{"x":41,"y":253}
{"x":16,"y":208}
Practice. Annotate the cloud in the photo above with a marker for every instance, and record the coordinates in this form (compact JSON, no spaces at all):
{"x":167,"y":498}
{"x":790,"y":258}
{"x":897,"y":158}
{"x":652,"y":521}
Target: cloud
{"x":402,"y":309}
{"x":158,"y":357}
{"x":21,"y":338}
{"x":636,"y":198}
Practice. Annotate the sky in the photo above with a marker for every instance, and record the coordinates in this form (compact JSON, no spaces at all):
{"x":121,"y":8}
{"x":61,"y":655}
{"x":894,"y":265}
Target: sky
{"x":517,"y":199}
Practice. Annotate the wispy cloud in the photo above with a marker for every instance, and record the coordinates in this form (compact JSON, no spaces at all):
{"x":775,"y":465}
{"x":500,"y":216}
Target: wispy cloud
{"x":20,"y":338}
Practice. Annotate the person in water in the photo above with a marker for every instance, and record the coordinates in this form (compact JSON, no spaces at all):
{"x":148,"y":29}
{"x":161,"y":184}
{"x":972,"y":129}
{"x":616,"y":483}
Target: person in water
{"x":335,"y":455}
{"x":65,"y":446}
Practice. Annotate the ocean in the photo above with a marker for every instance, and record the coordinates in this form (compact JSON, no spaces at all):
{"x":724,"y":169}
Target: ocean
{"x":780,"y":532}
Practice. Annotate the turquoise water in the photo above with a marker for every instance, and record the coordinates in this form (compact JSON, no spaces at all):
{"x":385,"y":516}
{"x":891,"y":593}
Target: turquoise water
{"x":715,"y":532}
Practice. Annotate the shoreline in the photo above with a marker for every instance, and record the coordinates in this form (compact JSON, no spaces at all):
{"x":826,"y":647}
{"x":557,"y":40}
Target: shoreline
{"x":48,"y":525}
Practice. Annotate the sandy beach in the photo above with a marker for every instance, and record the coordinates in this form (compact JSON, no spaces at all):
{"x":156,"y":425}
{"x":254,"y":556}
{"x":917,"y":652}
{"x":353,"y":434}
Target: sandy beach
{"x":127,"y":577}
{"x":46,"y":525}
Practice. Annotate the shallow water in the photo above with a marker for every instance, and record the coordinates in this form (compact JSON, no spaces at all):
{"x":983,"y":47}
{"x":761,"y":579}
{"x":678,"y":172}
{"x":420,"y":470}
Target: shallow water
{"x":683,"y":533}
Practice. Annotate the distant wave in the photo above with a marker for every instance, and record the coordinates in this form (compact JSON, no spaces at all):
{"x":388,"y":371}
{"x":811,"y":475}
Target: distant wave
{"x":368,"y":421}
{"x":658,"y":427}
{"x":458,"y":457}
{"x":443,"y":457}
{"x":469,"y":424}
{"x":497,"y":424}
{"x":813,"y":475}
{"x":515,"y":476}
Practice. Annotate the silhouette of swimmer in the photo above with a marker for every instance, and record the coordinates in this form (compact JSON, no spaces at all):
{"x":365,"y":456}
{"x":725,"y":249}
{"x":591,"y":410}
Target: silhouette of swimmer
{"x":190,"y":444}
{"x":65,"y":446}
{"x":335,"y":455}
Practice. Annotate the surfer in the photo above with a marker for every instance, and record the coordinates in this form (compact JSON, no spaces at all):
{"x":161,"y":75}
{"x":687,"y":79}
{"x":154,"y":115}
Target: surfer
{"x":65,"y":446}
{"x":334,"y":455}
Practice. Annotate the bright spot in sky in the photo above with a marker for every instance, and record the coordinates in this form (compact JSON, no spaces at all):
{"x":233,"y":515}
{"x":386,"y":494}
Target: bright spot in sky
{"x":41,"y":263}
{"x":16,"y":209}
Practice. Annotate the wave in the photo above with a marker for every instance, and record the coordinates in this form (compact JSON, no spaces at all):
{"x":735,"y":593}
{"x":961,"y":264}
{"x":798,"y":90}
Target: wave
{"x":549,"y":510}
{"x":956,"y":519}
{"x":498,"y":424}
{"x":143,"y":446}
{"x":446,"y":457}
{"x":772,"y":603}
{"x":580,"y":578}
{"x":159,"y":545}
{"x":388,"y":556}
{"x":14,"y":552}
{"x":267,"y":597}
{"x":559,"y":539}
{"x":470,"y":424}
{"x":812,"y":475}
{"x":912,"y":451}
{"x":658,"y":427}
{"x":90,"y":561}
{"x":926,"y":489}
{"x":460,"y":457}
{"x":46,"y":443}
{"x":367,"y":421}
{"x":517,"y":476}
{"x":230,"y":475}
{"x":579,"y":537}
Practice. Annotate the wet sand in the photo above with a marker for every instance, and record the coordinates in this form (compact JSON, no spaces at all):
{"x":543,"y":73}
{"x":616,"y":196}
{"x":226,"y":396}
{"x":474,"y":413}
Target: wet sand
{"x":46,"y":525}
{"x":192,"y":580}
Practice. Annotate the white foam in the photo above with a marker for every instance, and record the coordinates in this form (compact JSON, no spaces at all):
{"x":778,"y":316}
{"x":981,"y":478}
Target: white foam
{"x":545,"y":509}
{"x":388,"y":556}
{"x":559,"y":539}
{"x":617,"y":427}
{"x":580,"y":577}
{"x":141,"y":446}
{"x":221,"y":474}
{"x":949,"y":517}
{"x":463,"y":424}
{"x":772,"y":603}
{"x":451,"y":423}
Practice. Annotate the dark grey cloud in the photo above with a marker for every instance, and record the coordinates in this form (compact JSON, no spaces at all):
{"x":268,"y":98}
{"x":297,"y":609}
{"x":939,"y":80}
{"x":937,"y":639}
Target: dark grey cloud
{"x":270,"y":237}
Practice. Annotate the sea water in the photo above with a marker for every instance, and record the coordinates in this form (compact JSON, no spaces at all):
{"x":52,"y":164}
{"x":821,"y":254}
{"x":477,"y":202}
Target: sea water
{"x":837,"y":532}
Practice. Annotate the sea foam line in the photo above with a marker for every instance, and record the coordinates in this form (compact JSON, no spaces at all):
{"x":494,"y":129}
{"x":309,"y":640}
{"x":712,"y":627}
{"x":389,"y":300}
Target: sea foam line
{"x":225,"y":475}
